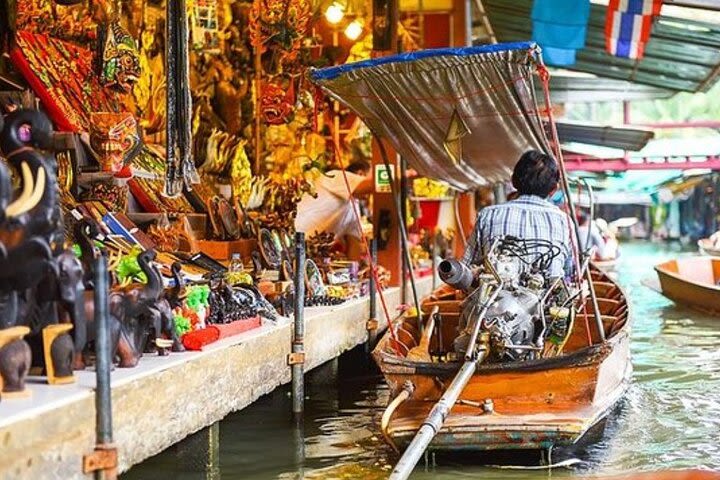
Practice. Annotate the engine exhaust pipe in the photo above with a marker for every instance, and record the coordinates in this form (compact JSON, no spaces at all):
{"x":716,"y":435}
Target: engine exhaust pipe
{"x":455,"y":274}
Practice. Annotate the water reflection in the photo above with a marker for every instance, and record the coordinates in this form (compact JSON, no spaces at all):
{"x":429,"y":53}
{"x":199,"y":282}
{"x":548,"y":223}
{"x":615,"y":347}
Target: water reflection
{"x":670,"y":418}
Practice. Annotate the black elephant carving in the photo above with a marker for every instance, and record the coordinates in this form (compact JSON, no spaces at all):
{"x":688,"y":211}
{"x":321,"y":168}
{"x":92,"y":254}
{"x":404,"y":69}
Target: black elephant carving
{"x":143,"y":310}
{"x":14,"y":360}
{"x":31,"y":237}
{"x":137,"y":312}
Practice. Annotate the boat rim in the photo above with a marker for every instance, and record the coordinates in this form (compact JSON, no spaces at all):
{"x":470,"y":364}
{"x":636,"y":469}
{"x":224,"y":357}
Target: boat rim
{"x":707,"y":286}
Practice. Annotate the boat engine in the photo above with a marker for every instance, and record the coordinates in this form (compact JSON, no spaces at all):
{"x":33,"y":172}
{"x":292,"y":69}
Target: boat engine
{"x":508,"y":296}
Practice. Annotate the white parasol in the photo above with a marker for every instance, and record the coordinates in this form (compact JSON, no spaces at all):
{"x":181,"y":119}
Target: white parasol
{"x":332,"y":209}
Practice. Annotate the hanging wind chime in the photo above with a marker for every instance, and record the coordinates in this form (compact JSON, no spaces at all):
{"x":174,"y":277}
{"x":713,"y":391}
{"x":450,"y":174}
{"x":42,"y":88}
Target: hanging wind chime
{"x":180,"y":169}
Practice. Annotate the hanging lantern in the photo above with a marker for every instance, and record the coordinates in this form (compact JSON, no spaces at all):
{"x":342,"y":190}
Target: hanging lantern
{"x":354,"y":30}
{"x":335,"y":13}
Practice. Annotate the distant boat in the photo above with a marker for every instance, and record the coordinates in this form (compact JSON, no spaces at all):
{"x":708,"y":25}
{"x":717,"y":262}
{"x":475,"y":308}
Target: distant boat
{"x":692,"y":281}
{"x":606,"y":263}
{"x":706,"y":247}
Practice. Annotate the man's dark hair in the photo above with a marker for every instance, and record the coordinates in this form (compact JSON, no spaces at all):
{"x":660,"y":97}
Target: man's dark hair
{"x":535,"y":174}
{"x":358,"y":166}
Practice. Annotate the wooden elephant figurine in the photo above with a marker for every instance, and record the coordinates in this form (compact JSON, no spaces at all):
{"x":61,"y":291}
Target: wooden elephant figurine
{"x":15,"y":358}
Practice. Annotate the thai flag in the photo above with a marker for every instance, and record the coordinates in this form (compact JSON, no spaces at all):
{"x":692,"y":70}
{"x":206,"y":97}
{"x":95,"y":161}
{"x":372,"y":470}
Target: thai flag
{"x":627,"y":26}
{"x":636,"y":7}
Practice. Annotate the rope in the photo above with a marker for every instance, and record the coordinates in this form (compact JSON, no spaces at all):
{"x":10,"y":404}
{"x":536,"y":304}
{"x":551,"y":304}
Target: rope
{"x":545,"y":79}
{"x":373,"y":267}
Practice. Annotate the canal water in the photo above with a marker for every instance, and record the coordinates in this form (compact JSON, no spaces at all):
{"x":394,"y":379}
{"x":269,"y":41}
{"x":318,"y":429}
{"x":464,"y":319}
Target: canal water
{"x":670,"y":418}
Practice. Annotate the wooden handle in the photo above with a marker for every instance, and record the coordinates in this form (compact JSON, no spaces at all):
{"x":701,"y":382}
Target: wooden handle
{"x":422,"y":351}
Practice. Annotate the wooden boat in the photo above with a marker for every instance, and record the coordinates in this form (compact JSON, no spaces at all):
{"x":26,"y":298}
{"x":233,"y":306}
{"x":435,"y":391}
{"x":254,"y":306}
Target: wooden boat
{"x":692,"y":281}
{"x":535,"y":404}
{"x":706,"y":247}
{"x":667,"y":475}
{"x":453,"y":114}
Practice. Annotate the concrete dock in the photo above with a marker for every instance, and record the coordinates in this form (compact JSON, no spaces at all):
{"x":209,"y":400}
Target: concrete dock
{"x":165,"y":399}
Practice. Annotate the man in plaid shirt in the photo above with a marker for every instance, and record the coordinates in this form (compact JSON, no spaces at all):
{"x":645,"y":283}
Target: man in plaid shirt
{"x":529,"y":216}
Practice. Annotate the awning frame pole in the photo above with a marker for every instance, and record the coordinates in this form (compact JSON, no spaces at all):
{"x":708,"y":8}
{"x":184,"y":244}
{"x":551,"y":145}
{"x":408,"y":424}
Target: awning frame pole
{"x":571,"y":205}
{"x":403,"y":230}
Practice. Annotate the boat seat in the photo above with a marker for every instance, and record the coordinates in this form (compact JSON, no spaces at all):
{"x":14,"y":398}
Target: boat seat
{"x":445,"y":306}
{"x":607,"y":306}
{"x":605,"y":289}
{"x":610,"y":324}
{"x":406,"y":338}
{"x":401,"y":347}
{"x":598,"y":276}
{"x":410,"y":326}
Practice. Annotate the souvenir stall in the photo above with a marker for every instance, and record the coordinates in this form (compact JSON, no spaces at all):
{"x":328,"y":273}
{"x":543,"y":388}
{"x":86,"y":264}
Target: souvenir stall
{"x":182,"y":139}
{"x":198,"y":234}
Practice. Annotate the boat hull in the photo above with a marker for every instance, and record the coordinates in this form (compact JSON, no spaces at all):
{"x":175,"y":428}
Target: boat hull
{"x":692,"y":282}
{"x":536,"y":404}
{"x":527,"y":414}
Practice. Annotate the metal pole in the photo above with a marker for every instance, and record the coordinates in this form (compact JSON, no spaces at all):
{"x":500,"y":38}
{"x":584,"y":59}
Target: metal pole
{"x":103,"y":394}
{"x":403,"y":229}
{"x":499,"y":193}
{"x":433,"y":258}
{"x":297,"y":357}
{"x":403,"y":211}
{"x":372,"y":286}
{"x":434,"y":421}
{"x":372,"y":293}
{"x":299,"y":441}
{"x":103,"y":401}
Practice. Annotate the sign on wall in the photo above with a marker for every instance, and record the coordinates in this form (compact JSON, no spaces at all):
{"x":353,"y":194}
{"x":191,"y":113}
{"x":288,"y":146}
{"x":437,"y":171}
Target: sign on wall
{"x":383,"y":177}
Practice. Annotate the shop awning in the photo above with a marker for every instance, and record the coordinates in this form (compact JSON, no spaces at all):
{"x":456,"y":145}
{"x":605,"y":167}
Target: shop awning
{"x":461,"y":115}
{"x":587,"y":89}
{"x":632,"y":139}
{"x":682,"y":54}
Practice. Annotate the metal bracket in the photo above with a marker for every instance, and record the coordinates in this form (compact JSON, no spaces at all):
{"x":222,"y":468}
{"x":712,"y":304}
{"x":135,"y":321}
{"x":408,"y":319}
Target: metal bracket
{"x":372,"y":324}
{"x":295,"y":357}
{"x":104,"y":458}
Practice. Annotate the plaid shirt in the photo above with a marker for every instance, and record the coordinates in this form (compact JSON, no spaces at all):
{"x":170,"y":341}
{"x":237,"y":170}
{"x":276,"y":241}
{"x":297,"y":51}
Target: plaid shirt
{"x":527,"y":217}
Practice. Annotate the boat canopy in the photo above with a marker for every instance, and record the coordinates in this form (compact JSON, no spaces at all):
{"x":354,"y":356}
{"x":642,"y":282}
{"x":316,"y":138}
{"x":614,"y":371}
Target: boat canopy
{"x":462,"y":115}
